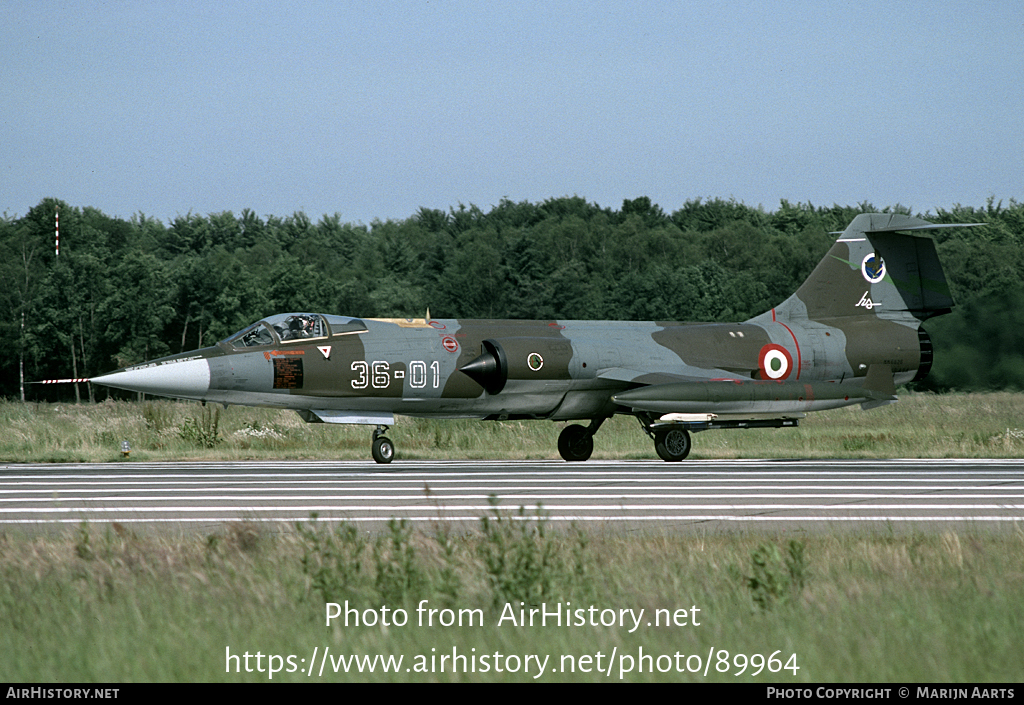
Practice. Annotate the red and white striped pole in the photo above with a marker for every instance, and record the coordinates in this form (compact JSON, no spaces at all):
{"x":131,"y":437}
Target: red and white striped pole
{"x":56,"y":230}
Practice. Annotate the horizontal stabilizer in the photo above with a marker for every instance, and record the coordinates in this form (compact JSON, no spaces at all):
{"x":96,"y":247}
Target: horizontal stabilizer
{"x":893,"y":222}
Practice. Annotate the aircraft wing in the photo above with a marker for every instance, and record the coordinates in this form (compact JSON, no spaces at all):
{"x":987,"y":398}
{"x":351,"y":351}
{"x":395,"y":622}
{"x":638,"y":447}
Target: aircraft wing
{"x":647,"y":377}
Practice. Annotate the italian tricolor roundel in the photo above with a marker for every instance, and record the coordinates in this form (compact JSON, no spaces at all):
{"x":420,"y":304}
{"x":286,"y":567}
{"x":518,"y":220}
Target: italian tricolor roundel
{"x":775,"y":362}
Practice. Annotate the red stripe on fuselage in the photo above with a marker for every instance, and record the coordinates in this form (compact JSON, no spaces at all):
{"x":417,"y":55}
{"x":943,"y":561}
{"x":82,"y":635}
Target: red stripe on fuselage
{"x":799,"y":360}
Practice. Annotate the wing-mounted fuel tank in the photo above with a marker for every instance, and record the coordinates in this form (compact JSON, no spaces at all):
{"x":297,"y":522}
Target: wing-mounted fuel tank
{"x":518,"y":359}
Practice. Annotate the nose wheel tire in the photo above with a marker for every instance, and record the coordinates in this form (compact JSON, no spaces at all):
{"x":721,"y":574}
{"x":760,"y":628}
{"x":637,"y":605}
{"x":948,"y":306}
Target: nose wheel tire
{"x":672,"y":444}
{"x":575,"y":443}
{"x":383,"y":449}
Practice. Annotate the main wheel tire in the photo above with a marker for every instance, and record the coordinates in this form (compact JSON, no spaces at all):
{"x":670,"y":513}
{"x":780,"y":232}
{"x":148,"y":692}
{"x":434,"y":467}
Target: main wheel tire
{"x":575,"y":443}
{"x":383,"y":449}
{"x":672,"y":444}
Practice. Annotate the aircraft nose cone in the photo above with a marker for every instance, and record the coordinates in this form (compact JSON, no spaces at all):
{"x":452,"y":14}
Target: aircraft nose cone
{"x":187,"y":379}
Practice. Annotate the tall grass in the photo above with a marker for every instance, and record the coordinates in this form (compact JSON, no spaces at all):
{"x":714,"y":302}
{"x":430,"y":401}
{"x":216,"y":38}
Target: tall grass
{"x":101,"y":603}
{"x":920,"y":425}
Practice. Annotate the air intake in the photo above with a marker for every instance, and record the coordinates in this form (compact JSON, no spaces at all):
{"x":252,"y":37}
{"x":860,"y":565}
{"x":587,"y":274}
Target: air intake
{"x":489,"y":369}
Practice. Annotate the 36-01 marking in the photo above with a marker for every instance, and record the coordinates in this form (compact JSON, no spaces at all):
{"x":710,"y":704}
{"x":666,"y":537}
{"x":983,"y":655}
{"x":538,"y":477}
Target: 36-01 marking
{"x":378,"y":374}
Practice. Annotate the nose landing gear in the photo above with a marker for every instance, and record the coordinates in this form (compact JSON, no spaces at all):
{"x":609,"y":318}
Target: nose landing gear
{"x":382,"y":449}
{"x":576,"y":443}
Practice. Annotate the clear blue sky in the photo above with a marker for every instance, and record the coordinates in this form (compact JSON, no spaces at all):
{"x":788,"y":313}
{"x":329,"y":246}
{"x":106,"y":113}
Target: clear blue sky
{"x":373,"y":109}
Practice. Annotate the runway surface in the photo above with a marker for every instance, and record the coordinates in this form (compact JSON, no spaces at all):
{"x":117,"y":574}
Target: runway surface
{"x":715,"y":494}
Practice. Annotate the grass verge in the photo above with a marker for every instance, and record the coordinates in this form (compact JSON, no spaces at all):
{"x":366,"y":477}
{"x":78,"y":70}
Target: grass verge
{"x":919,"y":426}
{"x":101,"y":603}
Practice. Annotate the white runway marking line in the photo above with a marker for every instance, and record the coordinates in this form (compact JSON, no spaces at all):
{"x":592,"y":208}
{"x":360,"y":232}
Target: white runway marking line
{"x":487,"y":509}
{"x":519,"y":477}
{"x":401,"y":469}
{"x":510,"y":498}
{"x":613,"y":493}
{"x":695,"y":518}
{"x":534,"y":461}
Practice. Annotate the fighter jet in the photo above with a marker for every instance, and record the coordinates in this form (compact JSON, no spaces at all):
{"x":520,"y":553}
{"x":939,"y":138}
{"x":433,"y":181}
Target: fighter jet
{"x":849,"y":335}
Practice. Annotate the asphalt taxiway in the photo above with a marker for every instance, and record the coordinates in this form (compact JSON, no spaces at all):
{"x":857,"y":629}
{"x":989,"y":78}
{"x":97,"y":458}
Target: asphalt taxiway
{"x":714,"y":494}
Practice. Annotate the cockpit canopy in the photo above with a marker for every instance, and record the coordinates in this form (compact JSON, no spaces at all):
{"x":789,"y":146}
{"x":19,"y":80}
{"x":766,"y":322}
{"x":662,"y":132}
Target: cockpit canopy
{"x":293,"y":327}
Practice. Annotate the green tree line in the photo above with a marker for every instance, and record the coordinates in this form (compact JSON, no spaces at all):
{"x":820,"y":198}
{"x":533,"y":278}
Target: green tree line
{"x":123,"y":291}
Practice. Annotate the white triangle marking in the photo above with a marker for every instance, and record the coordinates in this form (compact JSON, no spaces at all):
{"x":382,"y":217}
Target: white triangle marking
{"x":326,"y":350}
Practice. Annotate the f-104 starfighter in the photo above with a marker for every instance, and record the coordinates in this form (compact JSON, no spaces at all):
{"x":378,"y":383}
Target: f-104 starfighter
{"x":849,"y":335}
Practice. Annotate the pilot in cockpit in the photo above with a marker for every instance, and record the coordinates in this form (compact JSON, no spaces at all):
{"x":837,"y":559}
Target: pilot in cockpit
{"x":298,"y":327}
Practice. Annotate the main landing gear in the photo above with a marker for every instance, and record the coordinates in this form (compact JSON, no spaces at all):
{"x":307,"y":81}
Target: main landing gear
{"x":383,"y":449}
{"x":671,"y":442}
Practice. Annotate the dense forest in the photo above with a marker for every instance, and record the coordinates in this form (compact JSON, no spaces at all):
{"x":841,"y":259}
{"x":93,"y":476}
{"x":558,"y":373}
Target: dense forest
{"x":123,"y":291}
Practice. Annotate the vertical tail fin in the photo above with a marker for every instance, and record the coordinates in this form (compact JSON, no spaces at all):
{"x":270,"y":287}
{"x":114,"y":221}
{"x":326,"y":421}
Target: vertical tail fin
{"x":875,"y":269}
{"x":861,"y":308}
